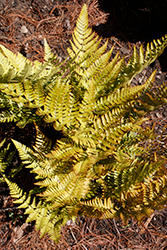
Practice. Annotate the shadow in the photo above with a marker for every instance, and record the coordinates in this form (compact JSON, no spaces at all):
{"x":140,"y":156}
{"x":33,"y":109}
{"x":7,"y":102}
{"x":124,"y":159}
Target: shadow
{"x":134,"y":21}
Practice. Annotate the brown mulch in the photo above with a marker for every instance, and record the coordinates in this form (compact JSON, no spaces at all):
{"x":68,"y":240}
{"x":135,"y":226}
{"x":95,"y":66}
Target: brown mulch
{"x":86,"y":233}
{"x":23,"y":25}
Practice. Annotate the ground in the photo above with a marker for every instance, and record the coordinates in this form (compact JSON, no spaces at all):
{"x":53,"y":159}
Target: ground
{"x":23,"y":25}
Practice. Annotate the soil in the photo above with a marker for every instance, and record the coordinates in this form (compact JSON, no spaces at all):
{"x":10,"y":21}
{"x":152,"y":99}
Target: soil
{"x":23,"y":25}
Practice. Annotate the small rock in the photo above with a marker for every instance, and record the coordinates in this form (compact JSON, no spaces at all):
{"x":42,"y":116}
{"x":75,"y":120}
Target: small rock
{"x":24,"y":29}
{"x":67,"y":24}
{"x":70,"y":223}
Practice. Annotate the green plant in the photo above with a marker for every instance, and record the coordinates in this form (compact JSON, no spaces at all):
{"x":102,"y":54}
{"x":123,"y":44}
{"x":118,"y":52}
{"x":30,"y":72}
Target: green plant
{"x":13,"y":216}
{"x":99,"y":167}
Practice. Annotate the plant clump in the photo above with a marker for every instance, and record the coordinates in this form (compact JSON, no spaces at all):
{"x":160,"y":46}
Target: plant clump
{"x":99,"y":166}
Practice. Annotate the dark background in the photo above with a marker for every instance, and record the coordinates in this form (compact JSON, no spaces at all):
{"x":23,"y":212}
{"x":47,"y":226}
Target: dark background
{"x":133,"y":21}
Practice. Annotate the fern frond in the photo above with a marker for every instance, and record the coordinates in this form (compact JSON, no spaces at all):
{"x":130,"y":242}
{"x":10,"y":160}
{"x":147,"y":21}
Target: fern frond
{"x":24,"y":152}
{"x":15,"y":191}
{"x":138,"y":62}
{"x":98,"y":65}
{"x":17,"y":61}
{"x":59,"y":105}
{"x":62,"y":192}
{"x":99,"y":203}
{"x":6,"y":72}
{"x":100,"y":208}
{"x":8,"y":116}
{"x":39,"y":95}
{"x":42,"y":144}
{"x":48,"y":53}
{"x":84,"y":43}
{"x":64,"y":151}
{"x":119,"y":97}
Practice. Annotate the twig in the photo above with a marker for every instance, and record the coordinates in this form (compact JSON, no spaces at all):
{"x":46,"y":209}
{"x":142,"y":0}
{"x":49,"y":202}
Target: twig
{"x":24,"y":17}
{"x":145,"y":225}
{"x":48,"y":19}
{"x":117,"y":232}
{"x":148,"y":231}
{"x":58,"y":6}
{"x":7,"y":209}
{"x":73,"y":235}
{"x":84,"y":246}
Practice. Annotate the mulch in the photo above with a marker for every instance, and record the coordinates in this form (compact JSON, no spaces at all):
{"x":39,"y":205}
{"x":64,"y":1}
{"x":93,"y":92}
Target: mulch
{"x":23,"y":25}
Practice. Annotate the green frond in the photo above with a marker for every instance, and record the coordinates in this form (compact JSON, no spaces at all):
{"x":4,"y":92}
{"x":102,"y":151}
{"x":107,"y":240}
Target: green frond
{"x":83,"y":138}
{"x":29,"y":91}
{"x":31,"y":210}
{"x":100,"y":51}
{"x":99,"y":204}
{"x":24,"y":152}
{"x":24,"y":202}
{"x":99,"y":208}
{"x":42,"y":144}
{"x":84,"y":40}
{"x":64,"y":151}
{"x":119,"y":97}
{"x":98,"y":65}
{"x":6,"y":71}
{"x":2,"y":143}
{"x":17,"y":61}
{"x":63,"y":191}
{"x":7,"y":116}
{"x":48,"y":53}
{"x":42,"y":172}
{"x":39,"y":95}
{"x":15,"y":191}
{"x":59,"y":105}
{"x":138,"y":62}
{"x":102,"y":125}
{"x":109,"y":74}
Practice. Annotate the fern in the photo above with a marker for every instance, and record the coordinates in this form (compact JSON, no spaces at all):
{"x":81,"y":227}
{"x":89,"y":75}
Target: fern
{"x":99,"y":167}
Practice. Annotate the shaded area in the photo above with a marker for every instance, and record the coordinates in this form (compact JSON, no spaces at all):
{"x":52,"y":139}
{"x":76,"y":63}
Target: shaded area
{"x":135,"y":21}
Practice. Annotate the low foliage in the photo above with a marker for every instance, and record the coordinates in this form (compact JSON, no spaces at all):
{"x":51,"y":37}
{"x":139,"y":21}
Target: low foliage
{"x":99,"y":167}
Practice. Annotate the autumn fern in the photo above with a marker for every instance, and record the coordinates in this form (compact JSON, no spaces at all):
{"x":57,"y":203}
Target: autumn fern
{"x":104,"y":165}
